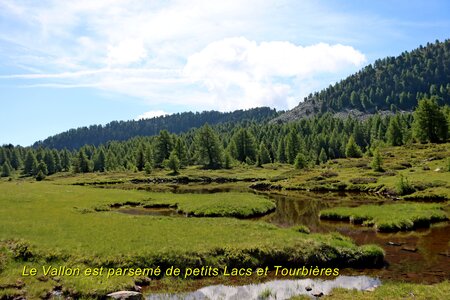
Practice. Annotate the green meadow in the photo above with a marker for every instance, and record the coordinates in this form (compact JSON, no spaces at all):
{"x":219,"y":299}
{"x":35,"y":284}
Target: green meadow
{"x":390,"y":217}
{"x":395,"y":290}
{"x":43,"y":223}
{"x":73,"y":220}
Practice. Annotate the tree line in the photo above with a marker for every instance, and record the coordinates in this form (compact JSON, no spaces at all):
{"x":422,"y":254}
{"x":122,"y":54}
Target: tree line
{"x":303,"y":143}
{"x":124,"y":130}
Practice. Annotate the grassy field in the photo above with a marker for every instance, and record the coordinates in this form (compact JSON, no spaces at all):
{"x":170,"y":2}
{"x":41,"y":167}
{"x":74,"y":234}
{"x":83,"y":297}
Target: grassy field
{"x":45,"y":223}
{"x":391,"y":217}
{"x":424,"y":167}
{"x":63,"y":220}
{"x":395,"y":290}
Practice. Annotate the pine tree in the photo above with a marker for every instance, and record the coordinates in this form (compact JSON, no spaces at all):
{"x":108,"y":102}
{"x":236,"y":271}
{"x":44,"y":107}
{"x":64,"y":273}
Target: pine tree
{"x":49,"y":161}
{"x":111,"y":161}
{"x":173,"y":162}
{"x":30,"y":165}
{"x":57,"y":158}
{"x":281,"y":151}
{"x":264,"y":156}
{"x":430,"y":123}
{"x":6,"y":169}
{"x":40,"y":154}
{"x":228,"y":160}
{"x":181,"y":151}
{"x":15,"y":159}
{"x":65,"y":160}
{"x":377,"y":161}
{"x":2,"y":156}
{"x":164,"y":146}
{"x":292,"y":146}
{"x":322,"y":156}
{"x":394,"y":132}
{"x":81,"y":163}
{"x":100,"y":161}
{"x":149,"y":156}
{"x":148,"y":168}
{"x":231,"y":149}
{"x":245,"y":145}
{"x":352,"y":149}
{"x":209,"y":148}
{"x":300,"y":161}
{"x":140,"y":159}
{"x":42,"y":168}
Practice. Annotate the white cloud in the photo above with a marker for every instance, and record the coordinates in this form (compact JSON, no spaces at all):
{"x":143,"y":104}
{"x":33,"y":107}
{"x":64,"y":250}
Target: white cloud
{"x":126,"y":52}
{"x":151,"y":114}
{"x":242,"y":73}
{"x":205,"y":54}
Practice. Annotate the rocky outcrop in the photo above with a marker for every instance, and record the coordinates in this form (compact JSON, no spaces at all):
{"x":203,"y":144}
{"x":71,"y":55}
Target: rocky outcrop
{"x":126,"y":295}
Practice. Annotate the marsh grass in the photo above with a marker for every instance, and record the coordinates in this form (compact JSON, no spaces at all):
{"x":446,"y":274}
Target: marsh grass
{"x":394,"y":290}
{"x":231,"y":204}
{"x":389,"y":217}
{"x":42,"y":223}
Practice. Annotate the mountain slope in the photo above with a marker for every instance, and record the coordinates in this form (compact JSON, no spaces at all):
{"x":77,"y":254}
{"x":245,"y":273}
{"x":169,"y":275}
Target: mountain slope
{"x":390,"y":84}
{"x":175,"y":123}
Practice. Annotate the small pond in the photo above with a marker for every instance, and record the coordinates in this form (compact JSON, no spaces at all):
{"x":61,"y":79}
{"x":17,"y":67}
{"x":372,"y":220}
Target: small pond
{"x":276,"y":289}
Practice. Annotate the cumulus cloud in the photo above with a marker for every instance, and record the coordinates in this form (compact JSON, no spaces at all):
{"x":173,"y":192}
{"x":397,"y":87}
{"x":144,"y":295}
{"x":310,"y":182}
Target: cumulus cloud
{"x":241,"y":72}
{"x":151,"y":114}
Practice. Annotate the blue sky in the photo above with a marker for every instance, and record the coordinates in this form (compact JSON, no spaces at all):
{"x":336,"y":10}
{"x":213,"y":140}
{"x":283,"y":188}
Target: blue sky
{"x":66,"y":64}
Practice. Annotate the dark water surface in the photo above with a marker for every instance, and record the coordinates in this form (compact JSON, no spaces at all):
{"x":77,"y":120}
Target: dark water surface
{"x":420,"y":256}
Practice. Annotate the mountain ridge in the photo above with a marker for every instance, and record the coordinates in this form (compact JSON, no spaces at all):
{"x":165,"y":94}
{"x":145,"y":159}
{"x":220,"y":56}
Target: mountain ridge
{"x":388,"y":85}
{"x":174,"y":123}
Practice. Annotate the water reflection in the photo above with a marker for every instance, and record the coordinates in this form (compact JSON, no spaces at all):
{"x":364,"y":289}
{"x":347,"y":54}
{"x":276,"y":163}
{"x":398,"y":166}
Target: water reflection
{"x":277,"y":289}
{"x":430,"y":262}
{"x":169,"y":212}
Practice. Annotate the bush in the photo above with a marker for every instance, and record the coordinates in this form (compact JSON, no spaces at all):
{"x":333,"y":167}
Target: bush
{"x":40,"y":176}
{"x":404,"y":187}
{"x":300,"y":161}
{"x":148,"y":168}
{"x":302,"y":229}
{"x":377,"y":162}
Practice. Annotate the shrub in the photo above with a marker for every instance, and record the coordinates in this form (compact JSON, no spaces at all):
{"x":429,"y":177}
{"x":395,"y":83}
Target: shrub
{"x":302,"y":229}
{"x":404,"y":187}
{"x":377,"y":162}
{"x":300,"y":161}
{"x":40,"y":176}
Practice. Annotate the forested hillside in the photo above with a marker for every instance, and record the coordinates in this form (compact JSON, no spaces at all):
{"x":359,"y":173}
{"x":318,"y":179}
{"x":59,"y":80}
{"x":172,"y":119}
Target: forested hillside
{"x":390,"y":84}
{"x":303,"y":143}
{"x":175,"y":123}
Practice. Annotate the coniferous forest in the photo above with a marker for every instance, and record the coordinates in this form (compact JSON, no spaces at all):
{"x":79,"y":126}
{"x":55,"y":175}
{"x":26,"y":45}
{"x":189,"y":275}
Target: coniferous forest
{"x":258,"y":136}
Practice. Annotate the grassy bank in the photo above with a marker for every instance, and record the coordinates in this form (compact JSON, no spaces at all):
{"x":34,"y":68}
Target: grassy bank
{"x":423,"y":166}
{"x":395,"y":290}
{"x":45,"y":223}
{"x":232,"y":204}
{"x":387,"y":218}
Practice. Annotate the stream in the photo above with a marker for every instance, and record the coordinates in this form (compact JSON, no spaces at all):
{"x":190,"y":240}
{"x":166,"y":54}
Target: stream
{"x":420,"y":256}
